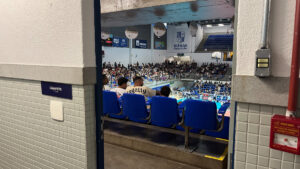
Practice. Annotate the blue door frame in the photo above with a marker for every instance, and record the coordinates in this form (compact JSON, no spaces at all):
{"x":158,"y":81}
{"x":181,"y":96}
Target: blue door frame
{"x":98,"y":86}
{"x":231,"y":162}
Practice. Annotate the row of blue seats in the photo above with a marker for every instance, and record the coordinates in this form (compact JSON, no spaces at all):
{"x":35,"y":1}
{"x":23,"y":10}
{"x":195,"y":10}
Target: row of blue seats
{"x":223,"y":45}
{"x":213,"y":41}
{"x":213,"y":89}
{"x":218,"y":45}
{"x":219,"y":39}
{"x":164,"y":112}
{"x":226,"y":35}
{"x":222,"y":98}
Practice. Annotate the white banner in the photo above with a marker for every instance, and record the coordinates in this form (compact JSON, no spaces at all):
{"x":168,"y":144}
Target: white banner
{"x":179,"y":39}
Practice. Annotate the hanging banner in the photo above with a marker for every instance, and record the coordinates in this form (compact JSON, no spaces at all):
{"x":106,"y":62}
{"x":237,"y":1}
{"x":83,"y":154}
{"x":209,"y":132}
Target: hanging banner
{"x":179,"y":39}
{"x":141,"y":44}
{"x":180,"y":44}
{"x":120,"y":42}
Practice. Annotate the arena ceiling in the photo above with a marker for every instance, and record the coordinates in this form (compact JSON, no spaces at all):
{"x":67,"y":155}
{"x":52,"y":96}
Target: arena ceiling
{"x":170,"y":13}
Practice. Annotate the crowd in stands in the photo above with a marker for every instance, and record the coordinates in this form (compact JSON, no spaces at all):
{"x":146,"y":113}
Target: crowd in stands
{"x":166,"y":71}
{"x":122,"y":76}
{"x":136,"y":109}
{"x":200,"y":88}
{"x":210,"y":87}
{"x":213,"y":90}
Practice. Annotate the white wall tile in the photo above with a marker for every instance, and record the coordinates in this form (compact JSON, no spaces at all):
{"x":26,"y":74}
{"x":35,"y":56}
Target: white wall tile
{"x":264,"y":130}
{"x":240,"y":156}
{"x":250,"y":166}
{"x":287,"y":165}
{"x":255,"y":120}
{"x":242,"y":116}
{"x":275,"y":164}
{"x":263,"y":161}
{"x":241,"y":126}
{"x":252,"y":159}
{"x":276,"y":154}
{"x":264,"y":151}
{"x":254,"y":108}
{"x":239,"y":165}
{"x":252,"y":138}
{"x":252,"y":149}
{"x":288,"y":157}
{"x":253,"y":128}
{"x":264,"y":140}
{"x":241,"y":136}
{"x":29,"y":138}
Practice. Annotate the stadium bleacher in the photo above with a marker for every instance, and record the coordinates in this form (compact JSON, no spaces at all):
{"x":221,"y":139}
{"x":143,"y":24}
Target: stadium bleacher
{"x":219,"y":42}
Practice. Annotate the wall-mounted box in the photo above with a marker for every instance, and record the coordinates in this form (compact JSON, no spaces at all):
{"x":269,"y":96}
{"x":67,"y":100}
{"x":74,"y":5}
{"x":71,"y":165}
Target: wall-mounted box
{"x":57,"y":110}
{"x":285,"y":134}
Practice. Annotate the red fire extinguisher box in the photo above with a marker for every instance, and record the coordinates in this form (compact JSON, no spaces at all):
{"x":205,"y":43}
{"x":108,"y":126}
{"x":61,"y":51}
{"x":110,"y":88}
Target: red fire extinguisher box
{"x":285,"y":134}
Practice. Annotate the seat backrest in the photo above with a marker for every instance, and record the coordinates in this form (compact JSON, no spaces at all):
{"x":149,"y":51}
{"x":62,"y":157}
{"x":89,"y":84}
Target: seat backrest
{"x":110,"y":103}
{"x":164,"y":111}
{"x":134,"y":107}
{"x":224,"y":108}
{"x":201,"y":115}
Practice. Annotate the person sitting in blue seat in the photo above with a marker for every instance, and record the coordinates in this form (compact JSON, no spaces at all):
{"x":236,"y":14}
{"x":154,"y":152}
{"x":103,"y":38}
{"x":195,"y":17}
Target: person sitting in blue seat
{"x":105,"y":82}
{"x":138,"y":88}
{"x":165,"y":91}
{"x":122,"y":85}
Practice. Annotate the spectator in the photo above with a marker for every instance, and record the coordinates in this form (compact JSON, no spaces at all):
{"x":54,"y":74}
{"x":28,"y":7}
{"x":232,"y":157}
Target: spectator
{"x":122,"y":85}
{"x":105,"y":82}
{"x":165,"y":91}
{"x":167,"y":70}
{"x":138,"y":88}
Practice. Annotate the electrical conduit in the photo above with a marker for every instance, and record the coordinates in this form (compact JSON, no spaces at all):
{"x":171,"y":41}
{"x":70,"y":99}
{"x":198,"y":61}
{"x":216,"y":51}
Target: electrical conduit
{"x":294,"y":76}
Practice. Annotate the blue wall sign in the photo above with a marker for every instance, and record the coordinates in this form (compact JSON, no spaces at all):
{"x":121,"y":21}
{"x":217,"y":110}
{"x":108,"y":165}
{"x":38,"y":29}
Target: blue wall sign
{"x":57,"y":90}
{"x":120,"y":42}
{"x":180,"y":41}
{"x":141,"y":44}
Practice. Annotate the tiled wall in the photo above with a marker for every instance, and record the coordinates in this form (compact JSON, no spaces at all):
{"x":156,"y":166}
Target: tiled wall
{"x":29,"y":138}
{"x":252,"y":140}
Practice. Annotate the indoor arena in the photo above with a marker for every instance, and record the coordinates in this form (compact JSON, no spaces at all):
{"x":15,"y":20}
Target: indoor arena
{"x":149,"y":84}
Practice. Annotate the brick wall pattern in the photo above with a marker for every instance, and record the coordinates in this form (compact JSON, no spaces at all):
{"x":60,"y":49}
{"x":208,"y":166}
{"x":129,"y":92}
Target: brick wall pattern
{"x":30,"y":139}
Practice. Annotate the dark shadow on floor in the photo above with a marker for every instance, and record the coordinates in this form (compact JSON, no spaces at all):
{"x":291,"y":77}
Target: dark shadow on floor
{"x":205,"y":147}
{"x":122,"y":158}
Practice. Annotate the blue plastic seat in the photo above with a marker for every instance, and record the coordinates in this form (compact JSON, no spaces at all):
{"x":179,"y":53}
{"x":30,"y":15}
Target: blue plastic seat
{"x":224,"y":98}
{"x":134,"y":107}
{"x":224,"y":133}
{"x":224,"y":108}
{"x":111,"y":105}
{"x":201,"y":115}
{"x":164,"y":112}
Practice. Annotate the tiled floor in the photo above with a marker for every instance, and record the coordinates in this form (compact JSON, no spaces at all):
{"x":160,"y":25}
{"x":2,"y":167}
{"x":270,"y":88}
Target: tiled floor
{"x":122,"y":158}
